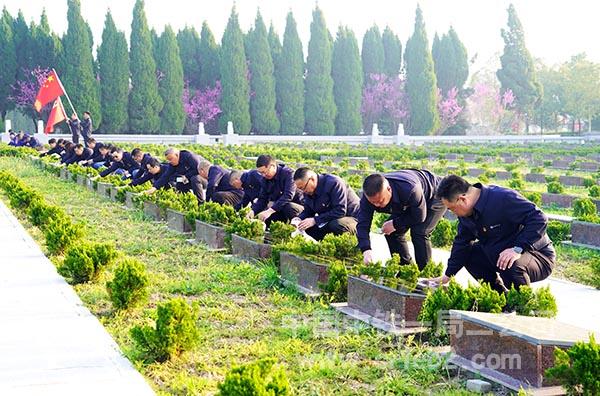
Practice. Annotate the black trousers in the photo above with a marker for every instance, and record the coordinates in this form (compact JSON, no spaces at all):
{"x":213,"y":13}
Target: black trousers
{"x":86,"y":137}
{"x":530,"y":267}
{"x":231,"y":198}
{"x":286,"y":213}
{"x":336,"y":227}
{"x":196,"y":184}
{"x":75,"y":137}
{"x":419,"y":234}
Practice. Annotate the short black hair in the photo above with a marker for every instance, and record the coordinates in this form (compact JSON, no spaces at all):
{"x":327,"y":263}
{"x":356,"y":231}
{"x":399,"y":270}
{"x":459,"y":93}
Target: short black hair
{"x":87,"y":112}
{"x":264,"y":160}
{"x":115,"y":149}
{"x":153,"y":162}
{"x":373,"y":184}
{"x":51,"y":141}
{"x":79,"y":146}
{"x":451,"y":187}
{"x":69,"y":145}
{"x":301,"y":173}
{"x":91,"y":140}
{"x":135,"y":152}
{"x":100,"y":145}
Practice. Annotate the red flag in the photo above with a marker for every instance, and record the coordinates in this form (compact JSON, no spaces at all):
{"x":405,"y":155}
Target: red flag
{"x":50,"y":90}
{"x":57,"y":114}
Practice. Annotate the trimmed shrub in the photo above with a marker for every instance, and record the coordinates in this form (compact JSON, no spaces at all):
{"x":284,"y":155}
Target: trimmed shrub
{"x":585,"y":209}
{"x":444,"y":233}
{"x":280,"y":232}
{"x":578,"y":368}
{"x":337,"y":282}
{"x":534,"y":197}
{"x":526,"y":301}
{"x":594,"y":191}
{"x":40,"y":213}
{"x":260,"y":378}
{"x":129,"y":285}
{"x":85,"y":261}
{"x":595,"y":264}
{"x":555,"y":187}
{"x":558,"y":231}
{"x":174,"y":333}
{"x":474,"y":298}
{"x":60,"y":233}
{"x":432,"y":270}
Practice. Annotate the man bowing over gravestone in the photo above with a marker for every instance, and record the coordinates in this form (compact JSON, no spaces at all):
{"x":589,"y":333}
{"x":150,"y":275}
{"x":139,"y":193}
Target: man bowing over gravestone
{"x":408,"y":196}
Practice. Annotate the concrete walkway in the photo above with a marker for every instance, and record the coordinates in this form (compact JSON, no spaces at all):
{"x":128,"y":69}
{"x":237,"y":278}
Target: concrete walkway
{"x":50,"y":344}
{"x":577,"y":304}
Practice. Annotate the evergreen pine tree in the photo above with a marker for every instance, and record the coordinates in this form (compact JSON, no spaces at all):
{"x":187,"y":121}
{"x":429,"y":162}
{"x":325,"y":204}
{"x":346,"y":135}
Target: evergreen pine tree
{"x":188,"y":41}
{"x":79,"y":77}
{"x":421,"y":86}
{"x":392,"y":50}
{"x":210,"y":65}
{"x":235,"y":92}
{"x":518,"y":72}
{"x":145,"y":102}
{"x":290,"y":81}
{"x":170,"y":86}
{"x":262,"y":81}
{"x":319,"y":107}
{"x":113,"y":69}
{"x":347,"y":82}
{"x":8,"y":61}
{"x":373,"y":55}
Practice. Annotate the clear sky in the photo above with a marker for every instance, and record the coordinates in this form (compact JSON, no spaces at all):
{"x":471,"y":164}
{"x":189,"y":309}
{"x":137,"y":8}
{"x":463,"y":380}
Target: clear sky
{"x":555,"y":30}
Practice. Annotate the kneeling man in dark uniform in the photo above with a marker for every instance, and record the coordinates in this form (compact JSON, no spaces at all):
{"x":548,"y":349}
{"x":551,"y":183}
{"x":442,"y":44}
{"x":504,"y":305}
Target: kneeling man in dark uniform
{"x":330,"y":205}
{"x":501,"y":236}
{"x":278,"y":200}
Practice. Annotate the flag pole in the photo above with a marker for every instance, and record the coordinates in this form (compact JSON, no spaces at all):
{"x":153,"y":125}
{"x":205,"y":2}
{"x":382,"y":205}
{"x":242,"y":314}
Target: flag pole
{"x":65,"y":91}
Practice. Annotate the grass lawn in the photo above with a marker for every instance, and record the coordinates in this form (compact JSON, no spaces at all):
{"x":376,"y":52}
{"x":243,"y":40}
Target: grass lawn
{"x":243,"y":313}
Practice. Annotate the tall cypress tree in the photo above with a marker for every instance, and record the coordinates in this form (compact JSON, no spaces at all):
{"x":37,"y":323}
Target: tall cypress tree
{"x":189,"y":50}
{"x":78,"y":77}
{"x":420,"y":81}
{"x":170,"y":86}
{"x":347,"y":82}
{"x":23,"y":46}
{"x":210,"y":64}
{"x":46,"y":45}
{"x":274,"y":45}
{"x":319,"y":108}
{"x":392,"y":50}
{"x":145,"y":102}
{"x":113,"y":69}
{"x":450,"y":61}
{"x":8,"y":61}
{"x":235,"y":93}
{"x":436,"y":52}
{"x":290,"y":81}
{"x":518,"y":71}
{"x":373,"y":55}
{"x":262,"y":81}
